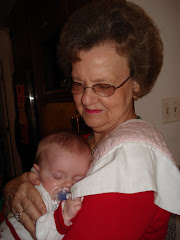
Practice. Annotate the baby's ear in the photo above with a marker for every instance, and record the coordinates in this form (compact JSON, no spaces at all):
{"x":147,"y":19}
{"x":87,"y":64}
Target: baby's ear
{"x":36,"y":167}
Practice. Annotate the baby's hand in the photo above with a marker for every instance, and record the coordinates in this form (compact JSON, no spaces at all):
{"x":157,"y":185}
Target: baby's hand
{"x":71,"y":208}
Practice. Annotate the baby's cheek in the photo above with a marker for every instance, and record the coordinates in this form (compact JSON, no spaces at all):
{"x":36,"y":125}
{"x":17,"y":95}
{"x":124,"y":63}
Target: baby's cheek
{"x":49,"y":185}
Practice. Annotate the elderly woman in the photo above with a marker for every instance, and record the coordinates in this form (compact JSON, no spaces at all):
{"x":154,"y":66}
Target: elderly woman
{"x":112,"y":54}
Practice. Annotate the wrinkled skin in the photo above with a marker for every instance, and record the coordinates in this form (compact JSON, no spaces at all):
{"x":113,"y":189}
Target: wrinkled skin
{"x":21,"y":196}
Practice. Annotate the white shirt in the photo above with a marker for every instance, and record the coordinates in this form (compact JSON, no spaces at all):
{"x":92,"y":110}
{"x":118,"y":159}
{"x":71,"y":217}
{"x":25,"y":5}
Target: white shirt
{"x":133,"y":158}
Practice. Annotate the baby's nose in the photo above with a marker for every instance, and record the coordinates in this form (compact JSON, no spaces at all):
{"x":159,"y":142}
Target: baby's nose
{"x":68,"y":183}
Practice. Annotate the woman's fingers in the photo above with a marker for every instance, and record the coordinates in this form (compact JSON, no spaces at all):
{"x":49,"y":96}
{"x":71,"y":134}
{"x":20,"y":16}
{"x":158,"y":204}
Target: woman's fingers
{"x":19,"y":191}
{"x":28,"y":199}
{"x":28,"y":224}
{"x":24,"y":201}
{"x":36,"y":206}
{"x":23,"y":204}
{"x":27,"y":207}
{"x":33,"y":178}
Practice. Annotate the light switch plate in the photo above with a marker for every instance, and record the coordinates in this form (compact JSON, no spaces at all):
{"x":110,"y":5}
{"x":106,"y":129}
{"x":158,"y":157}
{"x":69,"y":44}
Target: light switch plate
{"x":170,"y":109}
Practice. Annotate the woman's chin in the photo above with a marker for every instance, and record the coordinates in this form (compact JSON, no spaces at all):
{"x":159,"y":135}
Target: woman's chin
{"x":95,"y":125}
{"x":92,"y":124}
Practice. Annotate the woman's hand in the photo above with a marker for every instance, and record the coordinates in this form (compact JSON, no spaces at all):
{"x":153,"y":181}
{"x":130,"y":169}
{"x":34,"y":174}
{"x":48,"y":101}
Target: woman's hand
{"x":20,"y":196}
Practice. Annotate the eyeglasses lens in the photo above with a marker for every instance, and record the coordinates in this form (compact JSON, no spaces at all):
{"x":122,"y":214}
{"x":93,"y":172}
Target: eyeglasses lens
{"x":77,"y":88}
{"x":103,"y":90}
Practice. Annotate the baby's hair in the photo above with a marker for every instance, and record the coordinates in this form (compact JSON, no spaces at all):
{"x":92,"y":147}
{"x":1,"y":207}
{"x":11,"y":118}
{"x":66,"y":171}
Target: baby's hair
{"x":64,"y":140}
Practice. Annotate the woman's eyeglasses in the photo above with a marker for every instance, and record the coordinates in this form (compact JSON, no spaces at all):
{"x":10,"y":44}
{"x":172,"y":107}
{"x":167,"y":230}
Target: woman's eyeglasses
{"x":102,"y":90}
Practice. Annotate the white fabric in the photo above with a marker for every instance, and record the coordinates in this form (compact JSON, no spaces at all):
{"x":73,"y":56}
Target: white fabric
{"x":133,"y":158}
{"x":20,"y":230}
{"x":45,"y":225}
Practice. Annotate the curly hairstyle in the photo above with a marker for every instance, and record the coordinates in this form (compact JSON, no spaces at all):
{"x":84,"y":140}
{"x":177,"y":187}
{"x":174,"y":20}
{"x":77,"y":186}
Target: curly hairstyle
{"x":125,"y":25}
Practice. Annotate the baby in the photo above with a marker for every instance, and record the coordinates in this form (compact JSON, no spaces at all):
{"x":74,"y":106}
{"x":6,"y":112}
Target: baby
{"x":62,"y":159}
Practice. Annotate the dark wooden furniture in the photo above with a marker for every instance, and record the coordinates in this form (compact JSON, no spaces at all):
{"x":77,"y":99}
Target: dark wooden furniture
{"x":34,"y":28}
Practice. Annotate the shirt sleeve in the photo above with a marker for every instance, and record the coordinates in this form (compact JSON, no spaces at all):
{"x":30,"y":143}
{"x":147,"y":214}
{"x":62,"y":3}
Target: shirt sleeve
{"x":119,"y":216}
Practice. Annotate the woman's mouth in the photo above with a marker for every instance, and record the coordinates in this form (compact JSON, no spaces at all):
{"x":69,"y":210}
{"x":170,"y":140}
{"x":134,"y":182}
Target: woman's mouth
{"x":94,"y":111}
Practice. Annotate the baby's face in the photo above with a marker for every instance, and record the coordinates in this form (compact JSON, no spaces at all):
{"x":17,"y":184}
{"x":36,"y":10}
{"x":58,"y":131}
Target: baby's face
{"x":62,"y":169}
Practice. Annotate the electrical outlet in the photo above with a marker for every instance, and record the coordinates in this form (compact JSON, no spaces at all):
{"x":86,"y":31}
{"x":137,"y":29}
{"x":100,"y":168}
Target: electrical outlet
{"x":170,"y":109}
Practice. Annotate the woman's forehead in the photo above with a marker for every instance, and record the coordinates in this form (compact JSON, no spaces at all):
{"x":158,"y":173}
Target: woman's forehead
{"x":99,"y":61}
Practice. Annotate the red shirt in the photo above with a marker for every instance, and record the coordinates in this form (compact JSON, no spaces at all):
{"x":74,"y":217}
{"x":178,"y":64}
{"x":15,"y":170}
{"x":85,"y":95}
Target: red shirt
{"x":118,"y":216}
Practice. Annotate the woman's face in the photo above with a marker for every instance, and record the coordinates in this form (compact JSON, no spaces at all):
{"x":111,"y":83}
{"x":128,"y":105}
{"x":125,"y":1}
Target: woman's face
{"x":102,"y":64}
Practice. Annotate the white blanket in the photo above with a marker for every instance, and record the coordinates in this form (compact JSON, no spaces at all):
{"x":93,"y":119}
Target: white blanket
{"x":133,"y":158}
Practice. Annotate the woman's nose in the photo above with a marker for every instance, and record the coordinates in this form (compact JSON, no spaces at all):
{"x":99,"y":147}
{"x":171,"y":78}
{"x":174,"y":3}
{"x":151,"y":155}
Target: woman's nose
{"x":88,"y":96}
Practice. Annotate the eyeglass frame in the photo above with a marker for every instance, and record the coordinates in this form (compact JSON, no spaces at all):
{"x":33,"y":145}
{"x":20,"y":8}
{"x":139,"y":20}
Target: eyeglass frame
{"x":84,"y":87}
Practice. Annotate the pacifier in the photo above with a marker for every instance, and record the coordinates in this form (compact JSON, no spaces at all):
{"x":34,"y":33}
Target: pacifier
{"x":59,"y":194}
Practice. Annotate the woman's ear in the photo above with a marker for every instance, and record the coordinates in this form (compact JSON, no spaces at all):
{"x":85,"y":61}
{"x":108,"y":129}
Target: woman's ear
{"x":36,"y":167}
{"x":136,"y":90}
{"x":136,"y":87}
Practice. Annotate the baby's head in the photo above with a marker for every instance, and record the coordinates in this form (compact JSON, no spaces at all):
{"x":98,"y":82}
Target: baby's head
{"x":63,"y":159}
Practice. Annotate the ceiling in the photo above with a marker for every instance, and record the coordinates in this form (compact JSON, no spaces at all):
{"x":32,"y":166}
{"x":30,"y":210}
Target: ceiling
{"x":6,"y":7}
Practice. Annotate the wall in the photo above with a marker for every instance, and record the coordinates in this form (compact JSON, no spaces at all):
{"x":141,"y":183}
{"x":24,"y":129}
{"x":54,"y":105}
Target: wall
{"x":166,"y":15}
